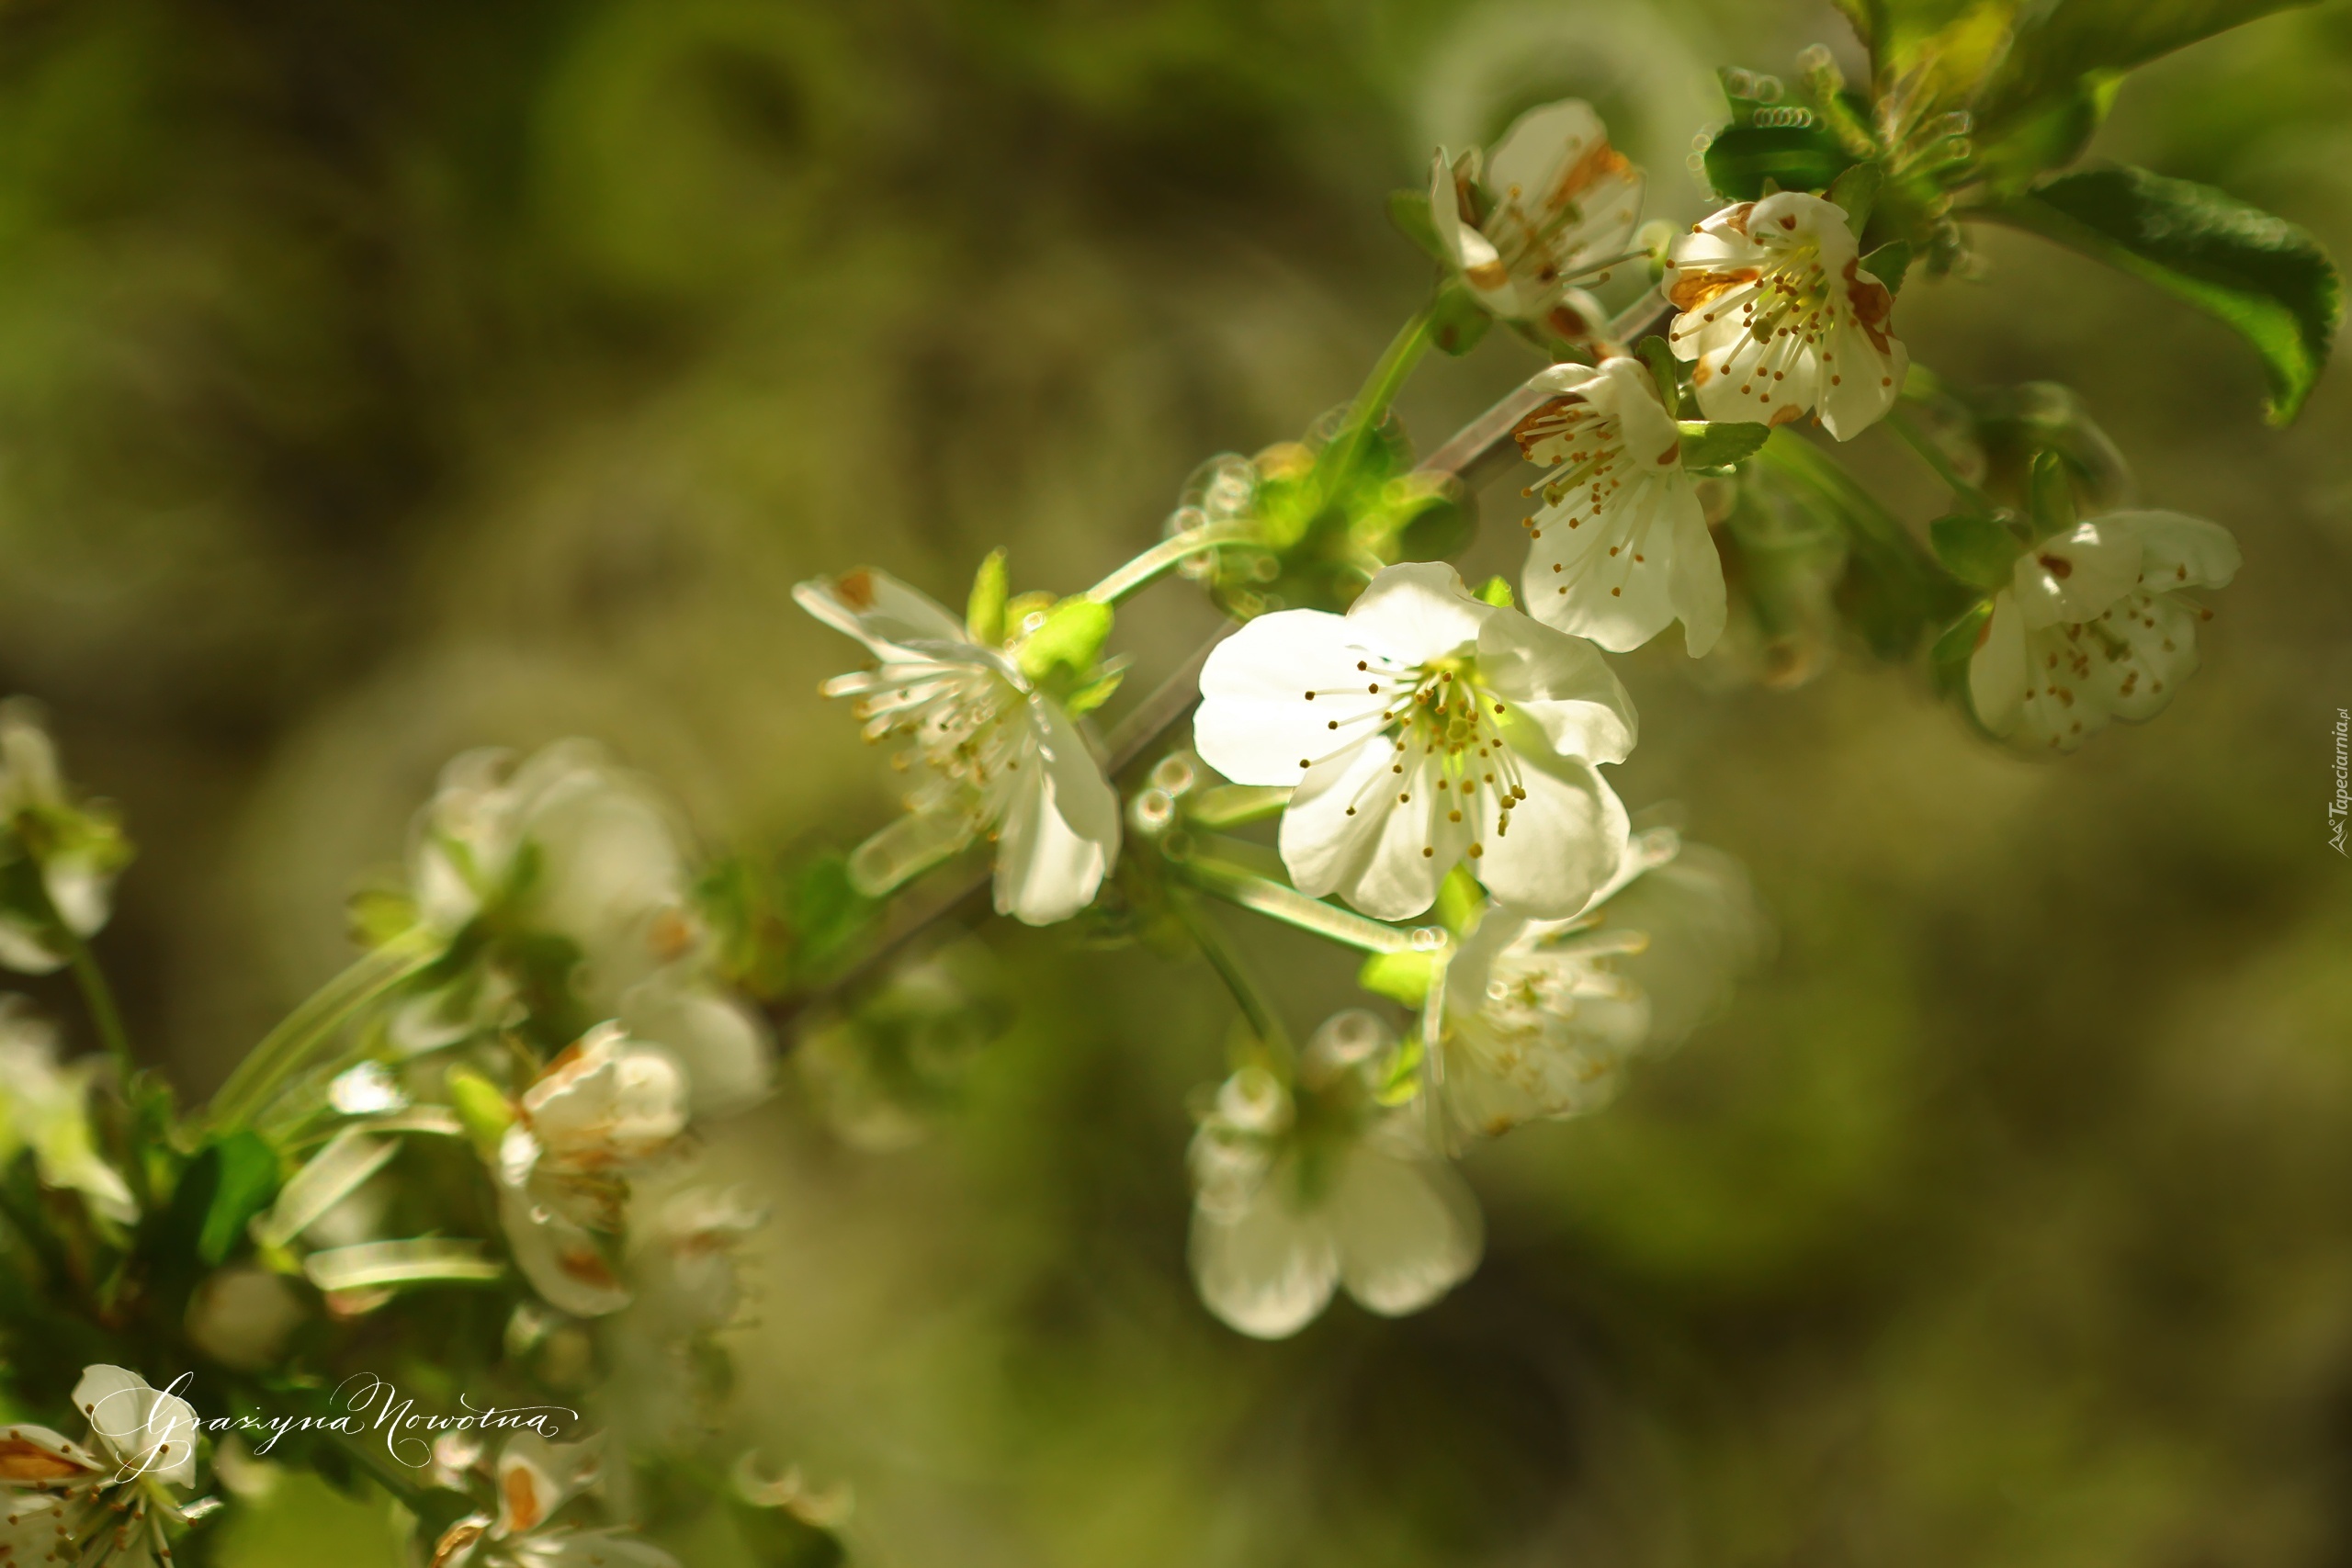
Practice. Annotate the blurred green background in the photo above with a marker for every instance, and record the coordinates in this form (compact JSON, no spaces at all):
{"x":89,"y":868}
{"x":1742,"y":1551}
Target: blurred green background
{"x":379,"y":380}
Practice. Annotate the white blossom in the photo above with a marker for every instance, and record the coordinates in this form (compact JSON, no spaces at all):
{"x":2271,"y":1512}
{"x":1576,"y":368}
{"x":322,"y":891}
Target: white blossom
{"x":604,"y":1107}
{"x":109,"y":1501}
{"x":1620,"y":548}
{"x":565,"y":844}
{"x":45,"y":1107}
{"x":1302,"y":1191}
{"x":79,"y":854}
{"x":1422,"y":727}
{"x":1783,"y":319}
{"x":992,"y":756}
{"x":533,"y":1481}
{"x":2091,"y":627}
{"x":1552,"y":204}
{"x":1542,"y":1016}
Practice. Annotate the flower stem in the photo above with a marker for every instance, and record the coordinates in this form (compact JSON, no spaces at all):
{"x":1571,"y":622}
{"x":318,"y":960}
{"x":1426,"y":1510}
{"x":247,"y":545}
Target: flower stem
{"x":1935,"y":458}
{"x":1266,"y":896}
{"x":97,"y":997}
{"x":1156,"y":561}
{"x":1379,"y":390}
{"x":285,"y":1049}
{"x":1257,"y":1008}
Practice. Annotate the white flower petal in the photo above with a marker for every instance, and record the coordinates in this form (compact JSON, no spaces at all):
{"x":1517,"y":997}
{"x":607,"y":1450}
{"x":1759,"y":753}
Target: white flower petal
{"x":1996,"y":671}
{"x":1562,"y":684}
{"x":1417,"y":611}
{"x":723,"y":1046}
{"x":2176,"y":550}
{"x":1388,"y":854}
{"x":142,"y":1428}
{"x":1696,"y":585}
{"x":1256,"y":724}
{"x":1061,"y":835}
{"x":881,"y":612}
{"x":1265,"y":1270}
{"x":560,"y":1258}
{"x":1409,"y":1231}
{"x":1565,"y":841}
{"x":2074,"y":576}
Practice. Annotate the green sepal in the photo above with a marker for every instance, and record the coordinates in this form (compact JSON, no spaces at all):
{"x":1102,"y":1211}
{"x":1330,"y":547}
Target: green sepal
{"x":1457,"y":322}
{"x":1977,"y":549}
{"x":1400,"y":976}
{"x":1400,"y":1078}
{"x":2266,"y":277}
{"x":1656,"y":354}
{"x":2049,"y":495}
{"x":236,"y":1179}
{"x":1071,"y":637}
{"x":1855,"y":191}
{"x":1095,"y":693}
{"x":1959,"y":639}
{"x":1460,"y":899}
{"x":1410,"y":211}
{"x":984,"y":612}
{"x":1719,"y":444}
{"x":1888,"y":264}
{"x":482,"y":1107}
{"x":1496,"y":592}
{"x":1742,"y":159}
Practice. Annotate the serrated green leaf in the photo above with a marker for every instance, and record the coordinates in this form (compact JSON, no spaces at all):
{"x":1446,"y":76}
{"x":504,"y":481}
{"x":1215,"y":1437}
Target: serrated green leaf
{"x":1072,"y":638}
{"x":984,"y":612}
{"x":1888,"y":264}
{"x":1457,"y":322}
{"x":2261,"y":274}
{"x":1797,"y":157}
{"x":1410,"y":211}
{"x":1719,"y":444}
{"x":1977,"y":549}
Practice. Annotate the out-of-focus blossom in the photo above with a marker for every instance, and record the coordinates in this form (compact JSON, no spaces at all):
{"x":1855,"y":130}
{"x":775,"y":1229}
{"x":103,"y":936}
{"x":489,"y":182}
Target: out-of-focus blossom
{"x":110,"y":1504}
{"x":57,"y":857}
{"x":533,"y":1481}
{"x":994,"y":756}
{"x":241,"y":1317}
{"x":604,"y":1108}
{"x":46,"y":1111}
{"x":1553,"y":203}
{"x":1620,"y":548}
{"x":1542,"y":1016}
{"x":1302,"y":1191}
{"x":2091,"y":629}
{"x":563,"y":845}
{"x":1422,"y":728}
{"x":1782,"y":318}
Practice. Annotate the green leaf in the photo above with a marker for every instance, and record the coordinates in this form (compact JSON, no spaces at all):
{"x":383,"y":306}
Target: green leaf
{"x":1457,"y":322}
{"x":1072,"y":636}
{"x":1719,"y":444}
{"x":2059,"y":46}
{"x":2261,"y":274}
{"x":984,"y":612}
{"x":1410,"y":211}
{"x":238,"y":1177}
{"x":1796,"y":157}
{"x":1888,"y":264}
{"x":1977,"y":549}
{"x":1855,"y":192}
